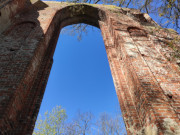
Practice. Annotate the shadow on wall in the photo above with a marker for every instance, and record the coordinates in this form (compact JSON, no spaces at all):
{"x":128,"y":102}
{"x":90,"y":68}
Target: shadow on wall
{"x":27,"y":43}
{"x":18,"y":40}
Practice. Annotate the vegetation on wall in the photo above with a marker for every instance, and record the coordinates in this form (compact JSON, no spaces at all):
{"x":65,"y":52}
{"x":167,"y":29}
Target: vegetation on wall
{"x":168,"y":11}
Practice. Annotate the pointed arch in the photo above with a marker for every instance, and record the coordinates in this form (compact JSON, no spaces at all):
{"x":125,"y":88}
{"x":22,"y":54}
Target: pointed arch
{"x":143,"y":76}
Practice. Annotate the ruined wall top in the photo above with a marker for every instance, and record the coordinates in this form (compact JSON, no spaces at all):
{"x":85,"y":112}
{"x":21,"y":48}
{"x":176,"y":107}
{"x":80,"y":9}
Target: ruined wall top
{"x":11,"y":10}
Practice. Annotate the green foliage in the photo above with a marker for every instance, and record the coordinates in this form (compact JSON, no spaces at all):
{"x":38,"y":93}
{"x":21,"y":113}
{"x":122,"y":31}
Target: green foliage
{"x":52,"y":123}
{"x":55,"y":123}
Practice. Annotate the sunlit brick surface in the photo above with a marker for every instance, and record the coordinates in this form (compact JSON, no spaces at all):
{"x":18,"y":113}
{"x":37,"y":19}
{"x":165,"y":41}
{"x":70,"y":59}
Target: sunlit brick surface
{"x":144,"y":62}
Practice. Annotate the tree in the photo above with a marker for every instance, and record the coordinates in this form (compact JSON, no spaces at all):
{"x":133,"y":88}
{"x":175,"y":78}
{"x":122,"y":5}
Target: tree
{"x":81,"y":125}
{"x":167,"y":11}
{"x":108,"y":125}
{"x":52,"y":123}
{"x":78,"y":29}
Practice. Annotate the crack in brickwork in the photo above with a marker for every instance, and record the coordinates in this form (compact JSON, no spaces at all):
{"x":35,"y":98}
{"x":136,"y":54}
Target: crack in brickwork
{"x":146,"y":77}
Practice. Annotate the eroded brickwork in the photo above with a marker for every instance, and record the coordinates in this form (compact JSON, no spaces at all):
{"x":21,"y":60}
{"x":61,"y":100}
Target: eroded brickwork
{"x":144,"y":62}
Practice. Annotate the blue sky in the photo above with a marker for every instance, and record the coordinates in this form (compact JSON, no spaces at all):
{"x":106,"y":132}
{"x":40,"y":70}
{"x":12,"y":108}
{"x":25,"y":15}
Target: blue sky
{"x":80,"y":77}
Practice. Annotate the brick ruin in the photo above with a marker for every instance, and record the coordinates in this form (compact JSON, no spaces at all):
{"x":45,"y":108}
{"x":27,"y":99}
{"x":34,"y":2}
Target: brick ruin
{"x":144,"y":60}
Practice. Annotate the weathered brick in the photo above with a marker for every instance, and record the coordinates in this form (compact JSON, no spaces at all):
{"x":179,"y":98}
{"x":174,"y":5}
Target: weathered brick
{"x":145,"y":72}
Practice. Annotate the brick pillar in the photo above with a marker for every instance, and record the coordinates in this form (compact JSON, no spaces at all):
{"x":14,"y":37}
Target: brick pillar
{"x":143,"y":79}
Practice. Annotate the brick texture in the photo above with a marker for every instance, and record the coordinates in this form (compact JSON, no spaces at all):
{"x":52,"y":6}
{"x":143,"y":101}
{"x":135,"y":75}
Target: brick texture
{"x":143,"y":58}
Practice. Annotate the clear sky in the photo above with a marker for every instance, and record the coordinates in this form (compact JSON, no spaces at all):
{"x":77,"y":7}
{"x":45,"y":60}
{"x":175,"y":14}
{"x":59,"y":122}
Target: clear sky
{"x":80,"y":77}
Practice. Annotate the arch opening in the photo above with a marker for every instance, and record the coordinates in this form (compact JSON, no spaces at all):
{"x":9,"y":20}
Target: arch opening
{"x":95,"y":59}
{"x":63,"y":17}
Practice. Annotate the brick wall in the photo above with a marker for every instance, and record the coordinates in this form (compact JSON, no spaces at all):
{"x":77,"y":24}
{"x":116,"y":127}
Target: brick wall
{"x":141,"y":56}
